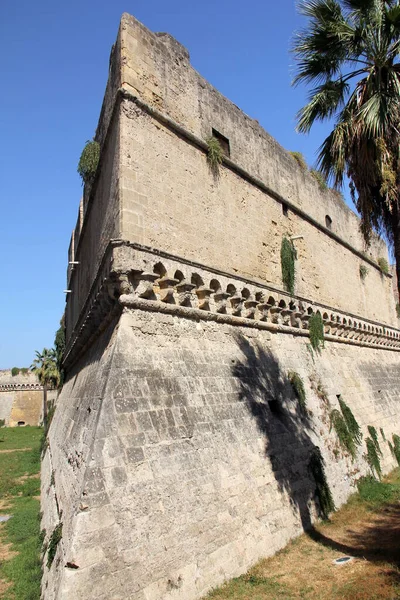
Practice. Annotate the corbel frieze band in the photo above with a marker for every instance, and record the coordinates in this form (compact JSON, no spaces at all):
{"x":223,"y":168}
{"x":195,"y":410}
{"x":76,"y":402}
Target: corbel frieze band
{"x":148,"y":280}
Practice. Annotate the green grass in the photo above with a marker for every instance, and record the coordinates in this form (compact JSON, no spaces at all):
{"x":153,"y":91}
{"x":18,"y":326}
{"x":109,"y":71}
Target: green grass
{"x":21,"y":495}
{"x":12,"y":438}
{"x":376,"y":493}
{"x":251,"y":585}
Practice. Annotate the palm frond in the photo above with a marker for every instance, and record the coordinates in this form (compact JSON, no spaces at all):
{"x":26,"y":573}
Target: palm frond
{"x":325,"y":100}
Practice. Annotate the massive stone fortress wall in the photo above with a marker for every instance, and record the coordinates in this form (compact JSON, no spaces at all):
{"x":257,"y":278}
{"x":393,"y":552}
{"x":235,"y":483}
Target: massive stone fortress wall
{"x":178,"y":454}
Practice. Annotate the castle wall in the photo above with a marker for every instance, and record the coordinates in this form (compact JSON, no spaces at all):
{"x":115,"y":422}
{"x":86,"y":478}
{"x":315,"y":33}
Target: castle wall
{"x":178,"y":454}
{"x":171,"y":201}
{"x":101,"y":223}
{"x":181,"y":474}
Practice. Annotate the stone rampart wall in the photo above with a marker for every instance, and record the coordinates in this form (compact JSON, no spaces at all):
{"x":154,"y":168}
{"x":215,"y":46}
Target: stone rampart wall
{"x":180,"y":455}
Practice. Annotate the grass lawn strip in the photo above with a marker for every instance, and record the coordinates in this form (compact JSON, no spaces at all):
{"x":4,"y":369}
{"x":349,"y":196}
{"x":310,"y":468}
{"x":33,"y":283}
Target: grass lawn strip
{"x":20,"y":545}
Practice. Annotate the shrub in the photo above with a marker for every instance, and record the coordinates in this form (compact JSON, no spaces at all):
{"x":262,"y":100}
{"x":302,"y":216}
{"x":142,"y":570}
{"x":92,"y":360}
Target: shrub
{"x":298,"y":388}
{"x":89,"y":161}
{"x":2,"y":422}
{"x":288,"y":257}
{"x":14,"y":371}
{"x":316,"y":331}
{"x":383,"y":265}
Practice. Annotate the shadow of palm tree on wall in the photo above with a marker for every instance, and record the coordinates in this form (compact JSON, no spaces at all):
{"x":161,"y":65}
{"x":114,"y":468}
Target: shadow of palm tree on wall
{"x":270,"y":399}
{"x":287,"y":429}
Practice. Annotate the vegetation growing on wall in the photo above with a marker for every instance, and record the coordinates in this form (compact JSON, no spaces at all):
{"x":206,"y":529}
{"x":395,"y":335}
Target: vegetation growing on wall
{"x":317,"y":468}
{"x":299,"y":158}
{"x":383,"y":434}
{"x":374,"y":437}
{"x":214,"y":155}
{"x":288,"y":258}
{"x":54,"y":540}
{"x":298,"y":388}
{"x":14,"y":371}
{"x":316,"y":331}
{"x":396,"y":447}
{"x":363,"y":271}
{"x":372,"y":458}
{"x":346,"y":427}
{"x":383,"y":265}
{"x":319,"y":178}
{"x":89,"y":161}
{"x":352,"y":425}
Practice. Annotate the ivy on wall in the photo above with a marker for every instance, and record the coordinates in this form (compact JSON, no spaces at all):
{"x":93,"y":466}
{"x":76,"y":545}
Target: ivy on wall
{"x":298,"y":388}
{"x":288,"y":258}
{"x":346,"y":427}
{"x":372,"y":458}
{"x":316,"y":331}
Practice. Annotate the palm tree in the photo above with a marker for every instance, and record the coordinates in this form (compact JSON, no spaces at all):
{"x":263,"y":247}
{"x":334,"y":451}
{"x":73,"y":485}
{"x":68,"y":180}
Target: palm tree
{"x":350,"y":53}
{"x":45,"y":368}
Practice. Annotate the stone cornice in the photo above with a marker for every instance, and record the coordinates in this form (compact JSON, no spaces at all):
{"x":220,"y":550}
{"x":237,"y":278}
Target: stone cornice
{"x":135,"y":277}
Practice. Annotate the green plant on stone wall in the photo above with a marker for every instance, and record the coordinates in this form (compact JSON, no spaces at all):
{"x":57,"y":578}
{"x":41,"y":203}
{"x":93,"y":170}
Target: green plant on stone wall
{"x":298,"y":388}
{"x":396,"y":447}
{"x":14,"y":371}
{"x":383,"y":265}
{"x":288,"y":258}
{"x":363,"y":271}
{"x":316,"y":331}
{"x":374,"y":437}
{"x":383,"y":434}
{"x":319,"y":178}
{"x":54,"y":540}
{"x":372,"y":458}
{"x":352,"y":425}
{"x":345,"y":438}
{"x":214,"y":155}
{"x":299,"y":158}
{"x":317,"y":468}
{"x":89,"y":161}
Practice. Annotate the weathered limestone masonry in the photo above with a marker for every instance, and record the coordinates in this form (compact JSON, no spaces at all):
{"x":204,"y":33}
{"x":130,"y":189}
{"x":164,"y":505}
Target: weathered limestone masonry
{"x":178,"y":454}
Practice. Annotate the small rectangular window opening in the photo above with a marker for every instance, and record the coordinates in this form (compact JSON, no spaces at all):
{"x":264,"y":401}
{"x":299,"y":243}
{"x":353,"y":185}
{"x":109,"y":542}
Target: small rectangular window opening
{"x":285,"y":210}
{"x":223,"y":142}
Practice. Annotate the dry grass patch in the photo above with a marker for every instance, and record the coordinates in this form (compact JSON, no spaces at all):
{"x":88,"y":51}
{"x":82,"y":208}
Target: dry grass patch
{"x":367,"y":529}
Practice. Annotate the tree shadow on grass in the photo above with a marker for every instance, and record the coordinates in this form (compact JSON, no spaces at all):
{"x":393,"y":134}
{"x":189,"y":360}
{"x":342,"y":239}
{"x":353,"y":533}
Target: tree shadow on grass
{"x":287,"y":429}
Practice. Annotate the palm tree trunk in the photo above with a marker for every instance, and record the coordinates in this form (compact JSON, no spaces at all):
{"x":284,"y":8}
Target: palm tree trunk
{"x":45,"y":405}
{"x":396,"y":240}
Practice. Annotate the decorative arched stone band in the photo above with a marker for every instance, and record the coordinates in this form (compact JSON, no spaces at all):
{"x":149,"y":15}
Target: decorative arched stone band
{"x":141,"y":278}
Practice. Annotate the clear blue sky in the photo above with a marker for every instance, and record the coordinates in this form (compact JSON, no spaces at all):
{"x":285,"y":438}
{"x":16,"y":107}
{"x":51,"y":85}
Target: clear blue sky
{"x":54,"y":64}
